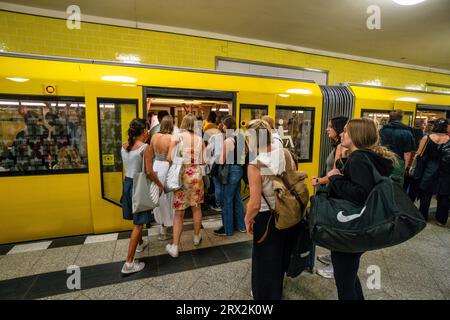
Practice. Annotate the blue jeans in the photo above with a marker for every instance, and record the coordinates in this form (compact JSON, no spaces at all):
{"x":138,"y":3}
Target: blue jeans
{"x":233,"y":208}
{"x":218,"y":190}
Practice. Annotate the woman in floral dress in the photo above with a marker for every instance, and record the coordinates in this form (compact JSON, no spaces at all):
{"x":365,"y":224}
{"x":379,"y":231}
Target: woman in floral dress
{"x":192,"y":192}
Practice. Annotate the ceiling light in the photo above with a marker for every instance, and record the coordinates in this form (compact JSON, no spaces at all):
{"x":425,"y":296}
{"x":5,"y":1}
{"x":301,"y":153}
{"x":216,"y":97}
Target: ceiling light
{"x":408,"y":2}
{"x":414,"y":88}
{"x":299,"y":91}
{"x":375,"y":82}
{"x":407,"y":99}
{"x":283,"y":95}
{"x":119,"y":79}
{"x":9,"y":103}
{"x":18,"y":79}
{"x":128,"y":58}
{"x":108,"y":106}
{"x":33,"y":104}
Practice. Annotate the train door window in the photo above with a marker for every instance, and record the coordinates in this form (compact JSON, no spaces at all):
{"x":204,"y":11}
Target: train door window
{"x":425,"y":118}
{"x":42,"y":135}
{"x":114,"y":117}
{"x":381,"y":117}
{"x":248,"y":112}
{"x":295,"y":125}
{"x":178,"y":108}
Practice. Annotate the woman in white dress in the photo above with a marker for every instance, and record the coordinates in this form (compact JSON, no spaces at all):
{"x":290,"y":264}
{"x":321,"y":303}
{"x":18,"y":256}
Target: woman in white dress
{"x":159,"y":148}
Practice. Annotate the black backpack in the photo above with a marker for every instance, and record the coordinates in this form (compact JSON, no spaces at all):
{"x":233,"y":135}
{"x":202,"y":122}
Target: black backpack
{"x":445,"y":158}
{"x":387,"y":218}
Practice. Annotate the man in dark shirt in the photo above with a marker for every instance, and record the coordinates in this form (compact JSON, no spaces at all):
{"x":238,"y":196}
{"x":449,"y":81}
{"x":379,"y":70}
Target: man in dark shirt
{"x":398,"y":138}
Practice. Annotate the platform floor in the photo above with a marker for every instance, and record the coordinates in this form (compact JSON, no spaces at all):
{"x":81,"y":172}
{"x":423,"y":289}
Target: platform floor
{"x":218,"y":269}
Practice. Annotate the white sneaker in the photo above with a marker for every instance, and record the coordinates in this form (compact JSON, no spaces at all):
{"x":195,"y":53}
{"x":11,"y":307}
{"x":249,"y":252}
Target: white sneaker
{"x":197,"y":239}
{"x":327,"y":272}
{"x":133,"y":267}
{"x":324,"y":258}
{"x":172,"y":250}
{"x":141,"y":247}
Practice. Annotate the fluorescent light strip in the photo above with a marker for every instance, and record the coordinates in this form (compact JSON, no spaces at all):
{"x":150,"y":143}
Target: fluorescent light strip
{"x":9,"y":103}
{"x":18,"y":79}
{"x":33,"y":104}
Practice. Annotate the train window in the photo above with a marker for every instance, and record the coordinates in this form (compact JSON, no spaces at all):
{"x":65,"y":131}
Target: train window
{"x":42,"y":135}
{"x":249,"y":112}
{"x":295,"y":125}
{"x":178,"y":107}
{"x":381,"y":117}
{"x":114,"y":118}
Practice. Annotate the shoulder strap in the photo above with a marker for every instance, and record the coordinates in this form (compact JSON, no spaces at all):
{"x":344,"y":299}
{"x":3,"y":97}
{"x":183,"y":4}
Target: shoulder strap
{"x":288,"y":160}
{"x":272,"y":213}
{"x":376,"y":174}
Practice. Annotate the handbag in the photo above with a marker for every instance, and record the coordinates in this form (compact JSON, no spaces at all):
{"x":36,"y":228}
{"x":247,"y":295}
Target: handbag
{"x":388,"y":217}
{"x":418,"y":166}
{"x":300,"y":258}
{"x":145,"y":194}
{"x":174,"y":174}
{"x":223,"y":172}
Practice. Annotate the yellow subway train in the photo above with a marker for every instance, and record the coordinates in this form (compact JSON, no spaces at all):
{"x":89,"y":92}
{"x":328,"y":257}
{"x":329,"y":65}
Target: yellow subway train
{"x":62,"y":122}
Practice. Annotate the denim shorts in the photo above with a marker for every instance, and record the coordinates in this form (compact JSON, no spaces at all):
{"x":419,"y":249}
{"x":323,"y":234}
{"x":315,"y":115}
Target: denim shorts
{"x":140,"y":218}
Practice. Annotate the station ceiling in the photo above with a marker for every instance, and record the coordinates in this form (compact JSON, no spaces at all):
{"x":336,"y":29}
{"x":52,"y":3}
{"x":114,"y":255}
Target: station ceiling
{"x":416,"y":35}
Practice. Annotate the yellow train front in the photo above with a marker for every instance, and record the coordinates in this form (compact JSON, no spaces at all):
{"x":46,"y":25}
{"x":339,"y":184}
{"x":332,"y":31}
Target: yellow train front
{"x":63,"y":123}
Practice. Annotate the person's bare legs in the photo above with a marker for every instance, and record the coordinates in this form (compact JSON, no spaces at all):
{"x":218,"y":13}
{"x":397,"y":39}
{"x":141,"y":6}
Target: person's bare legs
{"x":197,"y":217}
{"x":136,"y":237}
{"x":178,"y":220}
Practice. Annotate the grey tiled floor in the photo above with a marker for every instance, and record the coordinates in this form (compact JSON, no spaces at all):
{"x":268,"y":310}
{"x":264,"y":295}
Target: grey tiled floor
{"x":417,"y":269}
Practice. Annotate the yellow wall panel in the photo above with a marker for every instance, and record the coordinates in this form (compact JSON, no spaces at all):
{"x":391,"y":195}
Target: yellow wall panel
{"x":41,"y":207}
{"x":47,"y":36}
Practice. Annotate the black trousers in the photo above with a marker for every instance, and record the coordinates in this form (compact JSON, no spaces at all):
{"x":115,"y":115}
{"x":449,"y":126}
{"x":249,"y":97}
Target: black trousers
{"x":270,"y":259}
{"x":346,"y":267}
{"x":443,"y":205}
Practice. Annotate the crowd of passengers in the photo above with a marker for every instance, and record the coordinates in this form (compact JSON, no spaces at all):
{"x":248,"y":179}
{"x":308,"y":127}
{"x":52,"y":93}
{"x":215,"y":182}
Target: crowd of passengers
{"x":218,"y":157}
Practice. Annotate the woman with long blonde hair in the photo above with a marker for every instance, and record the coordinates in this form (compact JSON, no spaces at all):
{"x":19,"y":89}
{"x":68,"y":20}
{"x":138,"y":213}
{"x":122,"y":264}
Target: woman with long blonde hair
{"x":192,"y":192}
{"x":270,"y":257}
{"x":354,"y":184}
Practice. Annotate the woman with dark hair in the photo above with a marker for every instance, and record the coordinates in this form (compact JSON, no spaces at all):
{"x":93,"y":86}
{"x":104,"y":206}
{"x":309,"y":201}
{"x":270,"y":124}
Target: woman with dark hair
{"x":334,"y":130}
{"x":210,"y":122}
{"x":436,"y":175}
{"x":233,"y":156}
{"x":132,"y":155}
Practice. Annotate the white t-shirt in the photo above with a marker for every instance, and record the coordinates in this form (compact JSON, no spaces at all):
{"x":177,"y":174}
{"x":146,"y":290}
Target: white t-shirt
{"x":132,"y":160}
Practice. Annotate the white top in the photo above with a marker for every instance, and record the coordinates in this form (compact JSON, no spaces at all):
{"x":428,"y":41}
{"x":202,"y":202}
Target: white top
{"x":272,"y":163}
{"x":216,"y":145}
{"x":132,"y":160}
{"x":276,"y":140}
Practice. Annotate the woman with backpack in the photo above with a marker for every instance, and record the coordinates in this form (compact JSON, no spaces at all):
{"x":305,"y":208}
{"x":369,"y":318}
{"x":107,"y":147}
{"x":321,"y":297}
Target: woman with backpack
{"x":270,"y":258}
{"x":435,"y":150}
{"x":354,"y":184}
{"x":233,"y":156}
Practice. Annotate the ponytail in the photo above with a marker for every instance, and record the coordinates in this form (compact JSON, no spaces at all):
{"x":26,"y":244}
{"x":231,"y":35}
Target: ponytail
{"x":137,"y":127}
{"x":385,"y":153}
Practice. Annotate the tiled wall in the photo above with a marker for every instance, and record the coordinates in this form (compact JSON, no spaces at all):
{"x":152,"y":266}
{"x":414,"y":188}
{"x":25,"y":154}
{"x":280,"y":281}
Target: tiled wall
{"x":45,"y":36}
